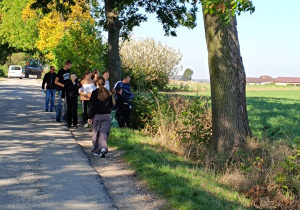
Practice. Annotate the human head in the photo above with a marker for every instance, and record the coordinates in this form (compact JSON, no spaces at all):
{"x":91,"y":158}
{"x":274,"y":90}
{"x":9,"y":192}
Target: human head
{"x":52,"y":69}
{"x":105,"y":75}
{"x":95,"y":75}
{"x":87,"y":75}
{"x":68,"y":64}
{"x":100,"y":81}
{"x":73,"y":77}
{"x":126,"y":79}
{"x":119,"y":90}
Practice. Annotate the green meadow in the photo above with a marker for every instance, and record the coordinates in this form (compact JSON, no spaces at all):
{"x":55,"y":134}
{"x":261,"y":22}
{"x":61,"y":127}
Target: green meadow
{"x":273,"y":114}
{"x":273,"y":111}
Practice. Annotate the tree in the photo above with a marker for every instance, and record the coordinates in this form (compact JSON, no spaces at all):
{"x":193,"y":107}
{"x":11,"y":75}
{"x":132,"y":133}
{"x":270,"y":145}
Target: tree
{"x":188,"y":73}
{"x":227,"y":74}
{"x":57,"y":18}
{"x":122,"y":16}
{"x":18,"y":33}
{"x":151,"y":63}
{"x":84,"y":46}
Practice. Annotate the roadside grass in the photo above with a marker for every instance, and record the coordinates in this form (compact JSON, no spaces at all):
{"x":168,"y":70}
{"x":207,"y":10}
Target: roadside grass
{"x":185,"y":185}
{"x":273,"y":115}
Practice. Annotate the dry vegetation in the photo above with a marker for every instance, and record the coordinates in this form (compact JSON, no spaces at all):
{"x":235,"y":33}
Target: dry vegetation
{"x":265,"y":171}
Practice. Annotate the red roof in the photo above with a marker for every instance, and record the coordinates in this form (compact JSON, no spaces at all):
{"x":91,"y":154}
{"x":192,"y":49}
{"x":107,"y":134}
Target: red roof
{"x":259,"y":80}
{"x":288,"y":79}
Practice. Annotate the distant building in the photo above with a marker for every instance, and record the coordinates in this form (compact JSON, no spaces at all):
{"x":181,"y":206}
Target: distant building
{"x":287,"y":81}
{"x":201,"y":80}
{"x":260,"y":81}
{"x":177,"y":78}
{"x":278,"y":81}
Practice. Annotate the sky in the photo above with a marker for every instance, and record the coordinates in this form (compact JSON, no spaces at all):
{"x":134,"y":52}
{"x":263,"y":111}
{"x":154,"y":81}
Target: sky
{"x":269,"y":40}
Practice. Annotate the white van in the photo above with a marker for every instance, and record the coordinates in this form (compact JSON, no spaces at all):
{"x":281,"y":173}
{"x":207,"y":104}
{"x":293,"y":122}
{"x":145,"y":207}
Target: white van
{"x":15,"y":71}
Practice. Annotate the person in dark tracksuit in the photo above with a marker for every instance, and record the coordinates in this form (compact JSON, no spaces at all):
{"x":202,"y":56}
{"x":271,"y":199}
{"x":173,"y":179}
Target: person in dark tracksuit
{"x":72,"y":86}
{"x":49,"y":78}
{"x":99,"y":110}
{"x":123,"y":108}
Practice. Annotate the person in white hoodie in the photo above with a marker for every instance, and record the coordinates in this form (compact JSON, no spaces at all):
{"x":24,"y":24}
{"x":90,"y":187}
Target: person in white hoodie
{"x":85,"y":92}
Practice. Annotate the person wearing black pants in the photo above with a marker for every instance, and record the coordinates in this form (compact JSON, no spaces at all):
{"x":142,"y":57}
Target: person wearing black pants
{"x":72,"y":87}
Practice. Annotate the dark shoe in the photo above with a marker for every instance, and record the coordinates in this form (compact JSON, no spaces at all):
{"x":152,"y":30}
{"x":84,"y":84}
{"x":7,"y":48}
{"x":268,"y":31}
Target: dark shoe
{"x":51,"y":110}
{"x":75,"y":126}
{"x":58,"y":120}
{"x":46,"y":110}
{"x":69,"y":126}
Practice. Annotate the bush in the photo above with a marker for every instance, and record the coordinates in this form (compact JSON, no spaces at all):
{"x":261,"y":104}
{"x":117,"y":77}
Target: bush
{"x":181,"y":124}
{"x":149,"y":63}
{"x":3,"y":71}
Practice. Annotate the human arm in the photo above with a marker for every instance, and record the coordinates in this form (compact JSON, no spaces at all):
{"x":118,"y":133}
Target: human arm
{"x":91,"y":105}
{"x":58,"y":83}
{"x":44,"y":81}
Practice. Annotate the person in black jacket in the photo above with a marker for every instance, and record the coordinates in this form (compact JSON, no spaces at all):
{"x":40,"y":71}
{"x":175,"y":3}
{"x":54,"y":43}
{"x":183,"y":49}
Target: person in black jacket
{"x":99,"y":109}
{"x":49,"y":78}
{"x":123,"y":108}
{"x":72,"y":86}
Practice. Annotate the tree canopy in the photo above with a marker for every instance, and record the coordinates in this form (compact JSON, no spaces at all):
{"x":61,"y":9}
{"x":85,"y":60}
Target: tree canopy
{"x":188,"y":73}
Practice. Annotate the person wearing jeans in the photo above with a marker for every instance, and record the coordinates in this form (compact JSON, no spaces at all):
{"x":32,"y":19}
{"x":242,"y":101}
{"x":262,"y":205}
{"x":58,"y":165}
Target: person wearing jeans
{"x":62,"y":76}
{"x":49,"y":78}
{"x":50,"y":97}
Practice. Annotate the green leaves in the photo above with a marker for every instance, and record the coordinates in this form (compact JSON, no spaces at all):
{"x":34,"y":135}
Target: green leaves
{"x":226,"y":9}
{"x":83,"y":47}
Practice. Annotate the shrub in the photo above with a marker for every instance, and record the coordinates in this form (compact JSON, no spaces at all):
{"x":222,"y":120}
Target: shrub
{"x":179,"y":123}
{"x":3,"y":70}
{"x":149,"y":62}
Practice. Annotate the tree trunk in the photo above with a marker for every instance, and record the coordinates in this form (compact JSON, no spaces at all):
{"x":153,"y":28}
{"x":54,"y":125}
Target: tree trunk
{"x":113,"y":27}
{"x":228,"y":83}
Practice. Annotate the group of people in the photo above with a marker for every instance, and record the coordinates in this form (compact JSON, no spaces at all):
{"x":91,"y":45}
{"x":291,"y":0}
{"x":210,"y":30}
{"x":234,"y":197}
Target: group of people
{"x":96,"y":100}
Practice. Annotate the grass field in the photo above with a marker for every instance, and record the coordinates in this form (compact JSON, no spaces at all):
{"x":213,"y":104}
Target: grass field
{"x":273,"y":113}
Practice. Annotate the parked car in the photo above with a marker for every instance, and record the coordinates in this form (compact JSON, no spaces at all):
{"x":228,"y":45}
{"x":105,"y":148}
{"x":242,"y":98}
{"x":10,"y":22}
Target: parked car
{"x":15,"y":71}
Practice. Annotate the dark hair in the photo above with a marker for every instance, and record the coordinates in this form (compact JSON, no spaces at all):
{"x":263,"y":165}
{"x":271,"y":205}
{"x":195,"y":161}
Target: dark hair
{"x":51,"y":67}
{"x":118,"y":89}
{"x":103,"y":93}
{"x":86,"y":73}
{"x":68,"y":62}
{"x":105,"y":72}
{"x":72,"y":73}
{"x":126,"y":77}
{"x":94,"y":72}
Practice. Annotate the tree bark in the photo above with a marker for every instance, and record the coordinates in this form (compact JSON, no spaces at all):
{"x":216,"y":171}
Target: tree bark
{"x":228,"y":83}
{"x":113,"y":27}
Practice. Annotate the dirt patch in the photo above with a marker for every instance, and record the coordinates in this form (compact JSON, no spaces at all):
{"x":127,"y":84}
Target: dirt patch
{"x":122,"y":184}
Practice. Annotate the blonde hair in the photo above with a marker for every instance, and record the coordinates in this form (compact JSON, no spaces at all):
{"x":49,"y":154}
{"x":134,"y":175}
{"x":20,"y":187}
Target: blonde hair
{"x":103,"y":93}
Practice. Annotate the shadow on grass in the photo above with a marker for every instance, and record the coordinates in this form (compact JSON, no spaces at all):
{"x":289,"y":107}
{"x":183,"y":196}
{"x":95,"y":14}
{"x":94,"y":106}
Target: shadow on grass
{"x":173,"y":177}
{"x":274,"y":118}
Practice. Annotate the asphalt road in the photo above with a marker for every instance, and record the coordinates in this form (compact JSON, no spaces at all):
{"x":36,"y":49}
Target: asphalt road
{"x":41,"y":165}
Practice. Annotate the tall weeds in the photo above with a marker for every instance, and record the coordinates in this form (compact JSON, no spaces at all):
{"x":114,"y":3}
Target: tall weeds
{"x":267,"y":171}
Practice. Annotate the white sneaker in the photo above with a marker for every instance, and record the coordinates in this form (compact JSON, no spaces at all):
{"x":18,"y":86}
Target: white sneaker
{"x":86,"y":125}
{"x":102,"y":153}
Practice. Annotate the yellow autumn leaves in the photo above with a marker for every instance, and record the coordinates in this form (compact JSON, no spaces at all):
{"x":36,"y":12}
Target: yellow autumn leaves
{"x":54,"y":25}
